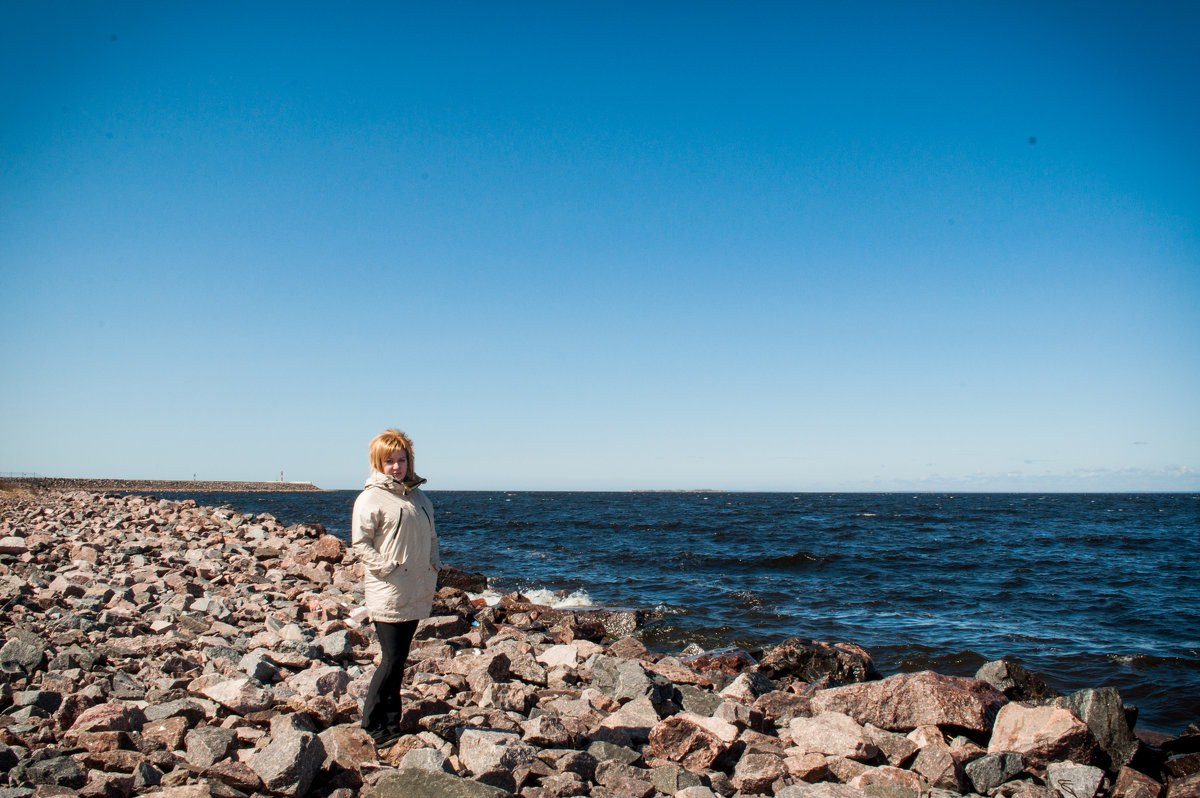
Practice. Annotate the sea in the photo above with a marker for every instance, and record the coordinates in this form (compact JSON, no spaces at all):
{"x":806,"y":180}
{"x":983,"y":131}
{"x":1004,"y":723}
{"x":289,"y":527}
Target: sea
{"x":1086,"y":590}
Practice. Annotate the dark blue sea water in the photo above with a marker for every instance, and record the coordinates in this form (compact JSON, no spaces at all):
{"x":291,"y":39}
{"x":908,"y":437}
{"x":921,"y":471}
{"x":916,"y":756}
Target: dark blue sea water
{"x":1086,"y":589}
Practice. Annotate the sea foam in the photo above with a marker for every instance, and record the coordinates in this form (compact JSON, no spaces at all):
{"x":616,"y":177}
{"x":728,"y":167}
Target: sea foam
{"x":547,"y":598}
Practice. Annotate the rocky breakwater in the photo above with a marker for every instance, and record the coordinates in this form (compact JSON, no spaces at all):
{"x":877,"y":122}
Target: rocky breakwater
{"x":161,"y":648}
{"x":153,"y":485}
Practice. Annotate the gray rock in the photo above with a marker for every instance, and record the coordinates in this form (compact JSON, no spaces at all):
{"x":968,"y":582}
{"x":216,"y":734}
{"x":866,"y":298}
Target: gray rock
{"x":9,"y":757}
{"x":491,"y":756}
{"x":299,"y":650}
{"x":624,"y":779}
{"x":698,"y":701}
{"x":632,"y":681}
{"x":604,"y":673}
{"x":425,"y":759}
{"x":669,"y":778}
{"x":126,"y":688}
{"x":59,"y":771}
{"x":208,"y":745}
{"x":519,"y":698}
{"x":528,"y":669}
{"x":181,"y":707}
{"x":896,"y":748}
{"x":1104,"y":713}
{"x":76,"y":657}
{"x":1074,"y":781}
{"x":563,"y":784}
{"x":547,"y":731}
{"x":748,"y":686}
{"x":462,"y":580}
{"x":259,"y":667}
{"x":337,"y":646}
{"x":291,"y":722}
{"x":16,"y":792}
{"x":991,"y":770}
{"x":419,"y":783}
{"x":1017,"y":683}
{"x":607,"y":752}
{"x":696,"y":792}
{"x":42,"y":699}
{"x":441,"y":627}
{"x":24,"y":652}
{"x":940,"y":769}
{"x":146,"y":775}
{"x":739,"y":715}
{"x":289,"y":763}
{"x":580,"y":763}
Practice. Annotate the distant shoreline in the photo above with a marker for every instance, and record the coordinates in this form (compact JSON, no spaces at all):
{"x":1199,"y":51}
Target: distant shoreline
{"x":156,"y":485}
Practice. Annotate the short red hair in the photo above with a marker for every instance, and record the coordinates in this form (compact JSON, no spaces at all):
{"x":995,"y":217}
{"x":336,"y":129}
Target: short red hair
{"x":387,"y":443}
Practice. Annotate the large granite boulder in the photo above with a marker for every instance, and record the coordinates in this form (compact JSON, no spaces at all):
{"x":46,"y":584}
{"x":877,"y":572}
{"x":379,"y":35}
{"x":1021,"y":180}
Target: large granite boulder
{"x":1043,"y":734}
{"x":908,"y":700}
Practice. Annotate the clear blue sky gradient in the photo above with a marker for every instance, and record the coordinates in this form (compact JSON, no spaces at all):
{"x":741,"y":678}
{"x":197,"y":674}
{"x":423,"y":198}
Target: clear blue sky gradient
{"x":769,"y":246}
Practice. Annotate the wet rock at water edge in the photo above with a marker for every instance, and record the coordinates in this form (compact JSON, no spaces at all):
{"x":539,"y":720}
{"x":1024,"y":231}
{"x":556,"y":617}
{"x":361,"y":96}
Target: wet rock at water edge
{"x":1017,"y":683}
{"x":796,"y":659}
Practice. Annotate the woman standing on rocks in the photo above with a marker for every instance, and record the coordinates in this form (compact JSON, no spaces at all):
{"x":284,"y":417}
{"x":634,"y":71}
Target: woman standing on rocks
{"x":393,"y":534}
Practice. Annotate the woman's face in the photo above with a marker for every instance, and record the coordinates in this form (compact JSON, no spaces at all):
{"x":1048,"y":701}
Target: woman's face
{"x":396,"y":466}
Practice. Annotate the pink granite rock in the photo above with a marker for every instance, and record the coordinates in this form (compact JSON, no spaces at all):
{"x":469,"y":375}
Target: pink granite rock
{"x":349,"y":746}
{"x":635,"y":719}
{"x":1184,"y":788}
{"x":13,"y":545}
{"x":242,"y":696}
{"x":908,"y":700}
{"x":832,"y":734}
{"x":1043,"y":734}
{"x":327,"y":548}
{"x":319,"y":680}
{"x":691,"y":740}
{"x":113,"y":716}
{"x":755,"y":773}
{"x":889,"y":776}
{"x":290,"y":762}
{"x":1135,"y":784}
{"x":938,"y":767}
{"x":807,"y":767}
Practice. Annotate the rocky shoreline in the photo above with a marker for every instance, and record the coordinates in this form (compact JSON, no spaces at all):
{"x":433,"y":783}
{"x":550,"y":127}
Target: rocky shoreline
{"x":157,"y":647}
{"x":154,"y":485}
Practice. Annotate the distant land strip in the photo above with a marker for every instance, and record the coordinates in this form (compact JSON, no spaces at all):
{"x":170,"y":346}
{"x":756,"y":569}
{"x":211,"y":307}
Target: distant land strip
{"x":154,"y":485}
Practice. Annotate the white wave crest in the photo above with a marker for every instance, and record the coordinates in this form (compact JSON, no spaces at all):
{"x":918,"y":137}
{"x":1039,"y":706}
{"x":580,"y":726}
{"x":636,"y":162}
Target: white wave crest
{"x":547,"y":598}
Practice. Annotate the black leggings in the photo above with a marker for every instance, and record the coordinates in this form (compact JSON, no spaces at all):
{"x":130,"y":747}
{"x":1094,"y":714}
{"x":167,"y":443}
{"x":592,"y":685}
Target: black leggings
{"x":381,"y":709}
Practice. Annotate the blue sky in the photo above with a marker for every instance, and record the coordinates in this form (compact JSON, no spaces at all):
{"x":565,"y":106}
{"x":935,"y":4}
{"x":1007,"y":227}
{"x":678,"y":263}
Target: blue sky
{"x":774,"y":246}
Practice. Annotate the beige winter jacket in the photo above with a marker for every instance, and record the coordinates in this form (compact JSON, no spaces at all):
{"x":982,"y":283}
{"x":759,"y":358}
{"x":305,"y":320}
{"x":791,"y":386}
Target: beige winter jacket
{"x":394,"y":536}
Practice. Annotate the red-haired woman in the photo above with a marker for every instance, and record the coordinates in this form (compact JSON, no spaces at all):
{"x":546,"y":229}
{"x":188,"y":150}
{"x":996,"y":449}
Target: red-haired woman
{"x":393,"y":534}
